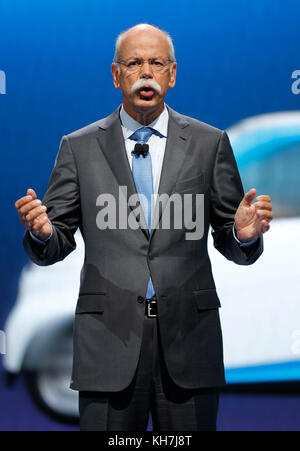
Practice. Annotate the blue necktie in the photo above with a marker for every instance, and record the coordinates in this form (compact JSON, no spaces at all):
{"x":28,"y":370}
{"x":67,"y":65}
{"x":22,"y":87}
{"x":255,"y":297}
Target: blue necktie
{"x":142,"y":174}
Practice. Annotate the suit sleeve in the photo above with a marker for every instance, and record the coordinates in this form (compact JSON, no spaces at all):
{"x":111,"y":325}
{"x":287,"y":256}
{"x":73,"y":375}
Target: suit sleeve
{"x":62,"y":200}
{"x":226,"y":194}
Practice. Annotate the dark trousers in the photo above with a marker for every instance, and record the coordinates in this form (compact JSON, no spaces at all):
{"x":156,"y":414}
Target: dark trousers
{"x":172,"y":408}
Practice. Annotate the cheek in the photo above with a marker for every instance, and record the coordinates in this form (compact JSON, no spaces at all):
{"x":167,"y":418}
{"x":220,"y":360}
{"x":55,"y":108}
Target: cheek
{"x":126,"y":87}
{"x":164,"y":87}
{"x":129,"y":83}
{"x":163,"y":82}
{"x":126,"y":82}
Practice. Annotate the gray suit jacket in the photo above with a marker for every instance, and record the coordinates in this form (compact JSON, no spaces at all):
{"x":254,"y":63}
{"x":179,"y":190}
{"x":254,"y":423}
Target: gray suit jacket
{"x":118,"y":262}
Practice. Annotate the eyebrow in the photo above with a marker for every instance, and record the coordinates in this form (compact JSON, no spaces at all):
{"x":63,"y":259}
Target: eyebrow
{"x":140,"y":58}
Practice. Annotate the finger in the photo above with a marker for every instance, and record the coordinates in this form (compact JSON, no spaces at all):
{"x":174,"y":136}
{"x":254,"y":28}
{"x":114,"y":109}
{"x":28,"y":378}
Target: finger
{"x":39,"y":223}
{"x":265,"y":214}
{"x":22,"y":201}
{"x":261,"y":205}
{"x":30,"y":195}
{"x":22,"y":218}
{"x":35,"y":223}
{"x":263,"y":197}
{"x":25,"y":209}
{"x":265,"y":226}
{"x":31,"y":192}
{"x":34,"y":213}
{"x":248,"y":197}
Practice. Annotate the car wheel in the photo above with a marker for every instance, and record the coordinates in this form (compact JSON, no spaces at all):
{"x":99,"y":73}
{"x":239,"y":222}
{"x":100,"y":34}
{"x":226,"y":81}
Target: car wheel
{"x":50,"y":391}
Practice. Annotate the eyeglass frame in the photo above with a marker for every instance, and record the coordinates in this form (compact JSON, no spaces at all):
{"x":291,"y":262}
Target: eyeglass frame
{"x":144,"y":61}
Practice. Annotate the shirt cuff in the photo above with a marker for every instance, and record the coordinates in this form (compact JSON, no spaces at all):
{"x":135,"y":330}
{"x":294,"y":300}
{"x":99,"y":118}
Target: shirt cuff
{"x":40,"y":241}
{"x":249,"y":243}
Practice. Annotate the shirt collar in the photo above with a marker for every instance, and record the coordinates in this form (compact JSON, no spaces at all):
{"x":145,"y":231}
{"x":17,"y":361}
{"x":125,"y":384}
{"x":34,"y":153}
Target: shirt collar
{"x":130,"y":125}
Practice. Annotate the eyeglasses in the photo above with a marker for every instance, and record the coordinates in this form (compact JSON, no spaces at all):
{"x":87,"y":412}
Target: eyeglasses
{"x":135,"y":64}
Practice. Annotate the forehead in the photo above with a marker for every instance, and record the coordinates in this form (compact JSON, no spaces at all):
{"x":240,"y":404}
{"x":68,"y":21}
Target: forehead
{"x":145,"y":44}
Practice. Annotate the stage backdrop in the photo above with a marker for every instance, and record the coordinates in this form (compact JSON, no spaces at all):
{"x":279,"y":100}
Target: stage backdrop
{"x":239,"y":70}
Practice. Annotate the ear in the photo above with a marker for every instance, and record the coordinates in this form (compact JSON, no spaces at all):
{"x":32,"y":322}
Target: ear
{"x":116,"y":75}
{"x":172,"y":80}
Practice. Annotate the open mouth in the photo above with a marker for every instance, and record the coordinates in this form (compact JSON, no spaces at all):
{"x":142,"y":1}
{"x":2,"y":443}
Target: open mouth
{"x":146,"y":92}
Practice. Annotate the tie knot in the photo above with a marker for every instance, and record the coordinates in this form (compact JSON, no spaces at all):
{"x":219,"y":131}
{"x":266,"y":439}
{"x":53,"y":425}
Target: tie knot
{"x":142,"y":135}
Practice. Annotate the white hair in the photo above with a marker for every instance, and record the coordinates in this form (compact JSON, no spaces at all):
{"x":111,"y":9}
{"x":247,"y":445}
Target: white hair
{"x":120,"y":37}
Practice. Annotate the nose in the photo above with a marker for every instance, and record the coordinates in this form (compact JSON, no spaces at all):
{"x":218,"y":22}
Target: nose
{"x":146,"y":70}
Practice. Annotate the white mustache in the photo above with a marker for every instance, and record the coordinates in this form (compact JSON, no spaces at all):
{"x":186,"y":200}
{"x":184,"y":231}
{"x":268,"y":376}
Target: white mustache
{"x":145,"y":82}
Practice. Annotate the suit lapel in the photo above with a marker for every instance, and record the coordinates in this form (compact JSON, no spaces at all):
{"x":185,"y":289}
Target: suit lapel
{"x":175,"y":154}
{"x":111,"y":142}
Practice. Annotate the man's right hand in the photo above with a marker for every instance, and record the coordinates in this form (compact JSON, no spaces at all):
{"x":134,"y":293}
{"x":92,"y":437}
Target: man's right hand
{"x":33,"y":216}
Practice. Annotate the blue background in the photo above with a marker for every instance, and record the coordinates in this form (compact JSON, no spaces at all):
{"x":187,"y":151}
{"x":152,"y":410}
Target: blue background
{"x":235,"y":60}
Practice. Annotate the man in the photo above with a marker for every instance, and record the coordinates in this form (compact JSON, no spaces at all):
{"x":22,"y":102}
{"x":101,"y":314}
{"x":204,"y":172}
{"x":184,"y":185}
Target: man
{"x":147,"y":333}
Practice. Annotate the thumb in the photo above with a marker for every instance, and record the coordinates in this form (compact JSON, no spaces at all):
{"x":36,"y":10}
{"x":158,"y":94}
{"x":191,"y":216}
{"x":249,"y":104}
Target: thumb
{"x":249,"y":197}
{"x":31,"y":192}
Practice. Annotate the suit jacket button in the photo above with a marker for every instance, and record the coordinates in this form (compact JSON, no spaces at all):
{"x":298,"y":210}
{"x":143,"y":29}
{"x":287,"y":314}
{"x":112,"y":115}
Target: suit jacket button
{"x":140,"y":299}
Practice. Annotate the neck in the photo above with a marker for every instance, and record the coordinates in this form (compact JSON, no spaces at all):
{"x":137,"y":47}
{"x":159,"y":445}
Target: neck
{"x":144,"y":117}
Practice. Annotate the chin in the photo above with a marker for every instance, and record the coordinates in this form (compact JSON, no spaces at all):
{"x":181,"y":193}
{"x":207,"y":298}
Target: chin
{"x":147,"y":103}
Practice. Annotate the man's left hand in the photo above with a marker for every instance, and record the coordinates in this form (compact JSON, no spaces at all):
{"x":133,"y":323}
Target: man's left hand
{"x":252,"y":220}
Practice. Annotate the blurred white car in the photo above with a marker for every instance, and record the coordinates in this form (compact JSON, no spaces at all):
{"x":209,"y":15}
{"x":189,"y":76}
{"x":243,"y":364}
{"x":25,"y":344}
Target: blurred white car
{"x":261,"y":303}
{"x":39,"y":332}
